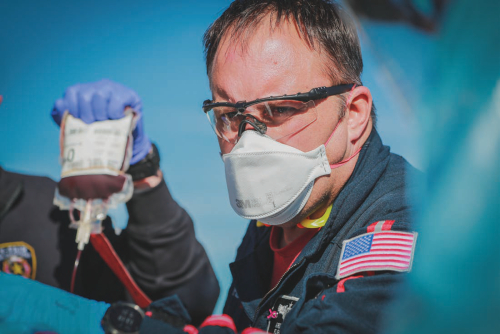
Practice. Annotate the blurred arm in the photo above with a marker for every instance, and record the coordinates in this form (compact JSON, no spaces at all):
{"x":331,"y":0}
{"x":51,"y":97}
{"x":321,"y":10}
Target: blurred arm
{"x":165,"y":257}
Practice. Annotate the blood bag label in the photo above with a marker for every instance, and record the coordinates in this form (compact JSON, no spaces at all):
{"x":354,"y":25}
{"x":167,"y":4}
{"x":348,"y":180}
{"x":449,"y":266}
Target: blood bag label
{"x":102,"y":147}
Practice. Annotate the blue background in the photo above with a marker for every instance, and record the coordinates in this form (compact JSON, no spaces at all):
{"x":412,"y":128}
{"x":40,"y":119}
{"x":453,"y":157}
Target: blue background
{"x":155,"y":47}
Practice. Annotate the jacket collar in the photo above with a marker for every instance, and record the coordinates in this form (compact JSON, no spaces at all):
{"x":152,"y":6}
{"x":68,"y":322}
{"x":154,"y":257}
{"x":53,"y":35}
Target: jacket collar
{"x":10,"y":190}
{"x":373,"y":160}
{"x":254,"y":270}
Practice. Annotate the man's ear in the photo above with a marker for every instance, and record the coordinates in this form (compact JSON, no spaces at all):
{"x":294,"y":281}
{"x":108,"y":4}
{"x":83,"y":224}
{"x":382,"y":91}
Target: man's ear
{"x":359,"y":105}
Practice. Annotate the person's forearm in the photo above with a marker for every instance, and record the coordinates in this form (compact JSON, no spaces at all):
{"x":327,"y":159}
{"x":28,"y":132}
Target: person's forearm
{"x":148,"y":182}
{"x":165,"y":257}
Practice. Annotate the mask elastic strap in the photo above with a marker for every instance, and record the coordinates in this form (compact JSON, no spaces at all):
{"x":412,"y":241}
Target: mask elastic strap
{"x":346,"y":105}
{"x":358,"y":150}
{"x":336,"y":126}
{"x":346,"y":160}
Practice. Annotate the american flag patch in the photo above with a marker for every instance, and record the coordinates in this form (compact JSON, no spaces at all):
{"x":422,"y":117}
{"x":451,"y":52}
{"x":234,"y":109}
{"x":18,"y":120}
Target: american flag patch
{"x":386,"y":250}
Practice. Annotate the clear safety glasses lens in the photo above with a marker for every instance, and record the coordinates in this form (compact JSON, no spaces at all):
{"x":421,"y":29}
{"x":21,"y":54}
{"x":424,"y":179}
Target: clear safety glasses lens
{"x":282,"y":118}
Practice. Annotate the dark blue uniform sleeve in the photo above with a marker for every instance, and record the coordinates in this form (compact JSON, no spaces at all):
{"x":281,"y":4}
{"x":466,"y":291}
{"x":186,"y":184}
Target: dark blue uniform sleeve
{"x":164,"y":256}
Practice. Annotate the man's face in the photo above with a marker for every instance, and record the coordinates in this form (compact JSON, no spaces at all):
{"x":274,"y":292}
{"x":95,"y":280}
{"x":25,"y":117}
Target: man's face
{"x":277,"y":63}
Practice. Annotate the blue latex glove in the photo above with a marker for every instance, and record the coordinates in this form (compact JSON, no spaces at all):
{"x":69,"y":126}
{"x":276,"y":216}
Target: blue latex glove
{"x":28,"y":306}
{"x":102,"y":100}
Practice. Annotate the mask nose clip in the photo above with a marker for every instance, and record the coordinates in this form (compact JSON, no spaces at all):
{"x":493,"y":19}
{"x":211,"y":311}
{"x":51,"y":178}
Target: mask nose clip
{"x":257,"y":125}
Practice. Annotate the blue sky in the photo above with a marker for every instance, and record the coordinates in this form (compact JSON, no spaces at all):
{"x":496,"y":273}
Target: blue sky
{"x":155,"y":48}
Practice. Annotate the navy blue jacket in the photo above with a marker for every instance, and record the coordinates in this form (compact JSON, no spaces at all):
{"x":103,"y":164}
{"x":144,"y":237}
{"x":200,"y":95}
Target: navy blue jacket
{"x":309,"y":292}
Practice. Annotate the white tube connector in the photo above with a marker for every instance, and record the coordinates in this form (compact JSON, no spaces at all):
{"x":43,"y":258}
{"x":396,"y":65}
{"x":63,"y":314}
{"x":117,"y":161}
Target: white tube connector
{"x":84,"y":227}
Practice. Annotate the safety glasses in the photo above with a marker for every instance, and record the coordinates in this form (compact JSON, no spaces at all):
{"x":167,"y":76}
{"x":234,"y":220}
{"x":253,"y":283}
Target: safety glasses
{"x":276,"y":116}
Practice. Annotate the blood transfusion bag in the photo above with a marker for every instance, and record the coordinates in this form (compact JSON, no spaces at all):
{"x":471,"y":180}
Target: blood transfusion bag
{"x":94,"y":157}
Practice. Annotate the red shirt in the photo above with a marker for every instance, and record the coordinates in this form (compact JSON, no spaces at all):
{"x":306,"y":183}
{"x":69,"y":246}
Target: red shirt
{"x":283,"y":257}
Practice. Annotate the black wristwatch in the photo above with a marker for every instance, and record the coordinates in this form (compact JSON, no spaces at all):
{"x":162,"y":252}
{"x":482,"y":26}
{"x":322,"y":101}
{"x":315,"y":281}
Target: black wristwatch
{"x":127,"y":318}
{"x":122,"y":318}
{"x":146,"y":167}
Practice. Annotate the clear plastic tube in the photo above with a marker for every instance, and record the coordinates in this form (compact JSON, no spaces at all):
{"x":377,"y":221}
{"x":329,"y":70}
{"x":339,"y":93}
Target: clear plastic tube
{"x":92,"y":211}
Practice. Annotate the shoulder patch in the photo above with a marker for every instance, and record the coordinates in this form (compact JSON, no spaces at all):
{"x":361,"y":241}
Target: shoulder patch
{"x":376,"y":251}
{"x":18,"y":258}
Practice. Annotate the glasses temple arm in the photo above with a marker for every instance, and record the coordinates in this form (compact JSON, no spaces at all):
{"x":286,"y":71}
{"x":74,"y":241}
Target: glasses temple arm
{"x":313,"y":94}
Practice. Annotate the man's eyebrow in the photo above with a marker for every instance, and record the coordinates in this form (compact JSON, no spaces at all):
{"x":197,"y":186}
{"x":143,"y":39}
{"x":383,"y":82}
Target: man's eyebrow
{"x":222,"y":93}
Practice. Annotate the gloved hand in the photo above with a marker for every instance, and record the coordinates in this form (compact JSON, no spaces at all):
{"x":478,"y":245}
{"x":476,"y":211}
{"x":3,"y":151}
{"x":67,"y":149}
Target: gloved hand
{"x":27,"y":306}
{"x":102,"y":100}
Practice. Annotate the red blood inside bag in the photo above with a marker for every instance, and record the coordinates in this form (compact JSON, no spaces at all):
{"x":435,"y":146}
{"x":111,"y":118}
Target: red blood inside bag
{"x":91,"y":186}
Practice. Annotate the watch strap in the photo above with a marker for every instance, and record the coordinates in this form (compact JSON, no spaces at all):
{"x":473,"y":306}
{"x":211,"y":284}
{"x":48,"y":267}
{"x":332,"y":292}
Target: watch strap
{"x":146,"y":167}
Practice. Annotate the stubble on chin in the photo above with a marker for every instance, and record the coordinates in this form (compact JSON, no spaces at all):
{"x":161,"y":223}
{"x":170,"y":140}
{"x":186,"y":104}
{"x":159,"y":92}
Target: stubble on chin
{"x":325,"y":194}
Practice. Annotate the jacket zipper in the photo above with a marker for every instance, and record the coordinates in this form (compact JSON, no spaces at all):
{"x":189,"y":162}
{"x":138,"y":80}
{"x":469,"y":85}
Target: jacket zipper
{"x":273,"y":289}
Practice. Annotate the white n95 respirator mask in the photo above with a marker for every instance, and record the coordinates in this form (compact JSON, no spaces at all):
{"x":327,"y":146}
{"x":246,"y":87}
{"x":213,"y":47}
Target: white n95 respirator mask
{"x":270,"y":181}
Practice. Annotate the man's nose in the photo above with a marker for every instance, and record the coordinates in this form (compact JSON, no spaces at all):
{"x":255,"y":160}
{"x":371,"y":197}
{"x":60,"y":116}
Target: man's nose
{"x":248,"y":126}
{"x":250,"y":122}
